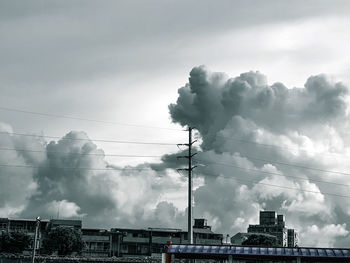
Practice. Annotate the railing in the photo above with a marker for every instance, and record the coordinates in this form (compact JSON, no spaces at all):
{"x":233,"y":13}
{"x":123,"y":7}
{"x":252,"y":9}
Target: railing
{"x":9,"y":257}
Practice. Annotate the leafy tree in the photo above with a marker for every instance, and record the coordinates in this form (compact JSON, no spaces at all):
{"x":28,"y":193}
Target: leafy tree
{"x":15,"y":242}
{"x":64,"y":241}
{"x":260,"y":240}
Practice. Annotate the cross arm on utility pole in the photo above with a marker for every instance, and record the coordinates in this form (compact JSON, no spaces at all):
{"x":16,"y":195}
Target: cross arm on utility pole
{"x":187,"y":169}
{"x":189,"y":156}
{"x":179,"y":157}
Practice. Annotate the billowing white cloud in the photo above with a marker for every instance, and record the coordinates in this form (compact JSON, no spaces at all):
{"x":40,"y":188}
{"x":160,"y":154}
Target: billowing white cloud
{"x":254,"y":137}
{"x":63,"y":208}
{"x":325,"y":236}
{"x":274,"y":142}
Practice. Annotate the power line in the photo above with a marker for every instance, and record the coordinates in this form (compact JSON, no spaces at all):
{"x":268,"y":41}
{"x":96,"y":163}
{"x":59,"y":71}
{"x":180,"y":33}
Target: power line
{"x":296,"y":165}
{"x":279,"y":186}
{"x":85,"y":119}
{"x":280,"y":147}
{"x":94,"y":140}
{"x":75,"y":168}
{"x":158,"y":156}
{"x":94,"y":154}
{"x":278,"y":174}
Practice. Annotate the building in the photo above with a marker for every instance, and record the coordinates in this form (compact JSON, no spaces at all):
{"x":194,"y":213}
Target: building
{"x":8,"y":225}
{"x":117,"y":241}
{"x":292,"y":238}
{"x":273,"y":224}
{"x":100,"y":243}
{"x":202,"y":233}
{"x":76,"y":224}
{"x":147,"y":242}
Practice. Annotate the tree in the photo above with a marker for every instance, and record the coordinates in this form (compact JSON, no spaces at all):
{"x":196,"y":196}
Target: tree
{"x":15,"y":242}
{"x":64,"y":241}
{"x":260,"y":240}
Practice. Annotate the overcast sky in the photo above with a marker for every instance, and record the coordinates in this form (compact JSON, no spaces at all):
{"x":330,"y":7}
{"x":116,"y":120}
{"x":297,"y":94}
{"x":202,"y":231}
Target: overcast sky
{"x":126,"y":61}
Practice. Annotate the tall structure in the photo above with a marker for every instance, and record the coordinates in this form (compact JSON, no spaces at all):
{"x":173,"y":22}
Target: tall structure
{"x":189,"y":170}
{"x":273,"y":224}
{"x":292,"y":238}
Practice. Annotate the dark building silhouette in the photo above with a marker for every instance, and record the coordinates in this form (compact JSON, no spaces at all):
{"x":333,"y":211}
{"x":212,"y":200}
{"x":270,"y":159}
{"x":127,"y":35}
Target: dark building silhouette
{"x":273,"y":224}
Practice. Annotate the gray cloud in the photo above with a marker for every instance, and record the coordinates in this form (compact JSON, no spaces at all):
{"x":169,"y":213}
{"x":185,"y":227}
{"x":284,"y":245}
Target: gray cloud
{"x":238,"y":119}
{"x":61,"y":42}
{"x":71,"y":179}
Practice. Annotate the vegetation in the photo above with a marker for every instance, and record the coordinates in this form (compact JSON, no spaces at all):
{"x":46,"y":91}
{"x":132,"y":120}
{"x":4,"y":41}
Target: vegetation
{"x":15,"y":242}
{"x":63,"y":241}
{"x":260,"y":240}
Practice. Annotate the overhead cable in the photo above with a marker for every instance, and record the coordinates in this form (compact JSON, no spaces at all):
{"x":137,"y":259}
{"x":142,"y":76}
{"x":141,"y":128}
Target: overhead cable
{"x":85,"y":119}
{"x":281,"y":147}
{"x":279,"y":186}
{"x":75,"y":168}
{"x":81,"y":139}
{"x":272,"y":173}
{"x":73,"y":153}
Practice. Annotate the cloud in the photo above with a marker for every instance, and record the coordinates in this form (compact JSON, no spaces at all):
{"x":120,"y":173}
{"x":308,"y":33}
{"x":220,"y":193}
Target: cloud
{"x":17,"y":183}
{"x":325,"y":236}
{"x":63,"y":208}
{"x":253,"y":132}
{"x":253,"y":135}
{"x":72,"y":179}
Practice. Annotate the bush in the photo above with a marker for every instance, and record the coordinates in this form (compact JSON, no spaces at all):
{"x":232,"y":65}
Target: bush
{"x":15,"y":242}
{"x":260,"y":240}
{"x":64,"y":241}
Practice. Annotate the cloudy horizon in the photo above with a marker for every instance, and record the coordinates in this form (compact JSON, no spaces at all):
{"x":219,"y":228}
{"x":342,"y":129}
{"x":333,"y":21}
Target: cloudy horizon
{"x":266,"y":84}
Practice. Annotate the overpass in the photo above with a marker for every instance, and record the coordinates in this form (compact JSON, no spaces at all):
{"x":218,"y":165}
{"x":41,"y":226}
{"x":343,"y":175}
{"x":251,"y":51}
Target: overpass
{"x":233,"y":254}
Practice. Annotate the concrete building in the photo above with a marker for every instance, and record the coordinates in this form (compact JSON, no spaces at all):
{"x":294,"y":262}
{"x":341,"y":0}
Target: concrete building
{"x":76,"y":224}
{"x":147,"y":242}
{"x":100,"y":243}
{"x":117,"y":241}
{"x":8,"y":225}
{"x":273,"y":224}
{"x":292,"y":238}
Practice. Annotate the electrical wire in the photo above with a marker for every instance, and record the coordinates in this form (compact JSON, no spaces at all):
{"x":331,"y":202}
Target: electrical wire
{"x":85,"y":119}
{"x":297,"y":166}
{"x":72,"y":153}
{"x":281,"y":147}
{"x":279,"y":186}
{"x":74,"y":168}
{"x":271,"y":173}
{"x":94,"y":140}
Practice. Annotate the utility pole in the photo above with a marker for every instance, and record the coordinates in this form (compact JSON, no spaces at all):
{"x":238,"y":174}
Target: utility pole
{"x":189,"y":169}
{"x":35,"y":237}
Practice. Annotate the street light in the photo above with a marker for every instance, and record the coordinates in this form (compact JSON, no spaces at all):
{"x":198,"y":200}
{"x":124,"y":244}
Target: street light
{"x":35,"y":237}
{"x":227,"y":236}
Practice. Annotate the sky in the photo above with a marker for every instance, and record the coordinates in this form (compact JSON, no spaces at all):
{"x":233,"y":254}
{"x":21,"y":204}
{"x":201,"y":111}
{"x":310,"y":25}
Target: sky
{"x":264,"y":82}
